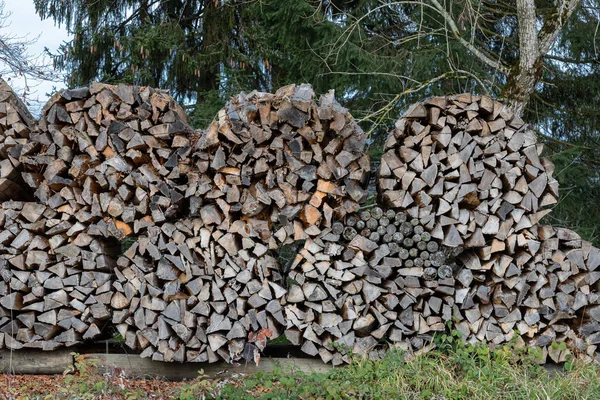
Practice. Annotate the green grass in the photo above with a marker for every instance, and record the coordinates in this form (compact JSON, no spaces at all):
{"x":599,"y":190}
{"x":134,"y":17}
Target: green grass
{"x":453,"y":370}
{"x":435,"y":375}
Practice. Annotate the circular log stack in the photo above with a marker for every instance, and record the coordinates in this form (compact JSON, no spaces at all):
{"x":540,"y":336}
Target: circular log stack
{"x":472,"y":175}
{"x":547,"y":293}
{"x":214,"y":214}
{"x":114,"y":153}
{"x":468,"y":170}
{"x":186,"y":293}
{"x":56,"y":278}
{"x":283,"y":160}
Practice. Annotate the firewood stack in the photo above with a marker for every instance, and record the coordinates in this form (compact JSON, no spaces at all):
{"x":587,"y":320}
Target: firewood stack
{"x":547,"y":292}
{"x":274,"y":170}
{"x":469,"y":170}
{"x":283,"y":162}
{"x":56,"y":278}
{"x":455,"y":236}
{"x":16,"y":123}
{"x":186,"y":292}
{"x":380,"y":276}
{"x":117,"y":153}
{"x":473,"y":176}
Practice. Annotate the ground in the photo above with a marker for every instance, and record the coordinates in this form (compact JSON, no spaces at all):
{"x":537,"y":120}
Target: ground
{"x":453,"y":370}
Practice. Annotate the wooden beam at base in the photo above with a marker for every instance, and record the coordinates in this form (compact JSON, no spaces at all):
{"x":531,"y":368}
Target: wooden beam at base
{"x":134,"y":366}
{"x":35,"y":362}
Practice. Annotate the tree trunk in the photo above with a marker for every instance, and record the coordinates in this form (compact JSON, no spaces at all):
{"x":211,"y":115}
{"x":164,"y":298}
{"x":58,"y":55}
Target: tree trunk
{"x":533,"y":47}
{"x":522,"y":79}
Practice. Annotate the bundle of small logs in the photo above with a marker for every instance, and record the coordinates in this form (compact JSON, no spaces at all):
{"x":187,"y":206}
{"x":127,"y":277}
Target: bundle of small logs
{"x":377,"y":276}
{"x":56,"y":282}
{"x":257,"y":227}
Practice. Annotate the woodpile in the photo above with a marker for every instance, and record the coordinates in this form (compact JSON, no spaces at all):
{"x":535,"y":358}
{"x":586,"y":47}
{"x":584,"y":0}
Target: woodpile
{"x":469,"y":170}
{"x":546,"y":292}
{"x":16,"y":123}
{"x":56,"y":278}
{"x":256,"y":227}
{"x":186,"y":292}
{"x":379,"y":276}
{"x":273,"y":170}
{"x":284,"y":162}
{"x":117,"y":153}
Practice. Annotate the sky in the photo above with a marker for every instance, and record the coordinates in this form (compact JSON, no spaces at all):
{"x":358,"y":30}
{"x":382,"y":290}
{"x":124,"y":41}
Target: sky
{"x":24,"y":21}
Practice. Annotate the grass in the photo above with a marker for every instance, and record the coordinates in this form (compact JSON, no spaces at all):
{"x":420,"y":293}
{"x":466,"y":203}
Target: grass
{"x":453,"y":370}
{"x":435,"y":375}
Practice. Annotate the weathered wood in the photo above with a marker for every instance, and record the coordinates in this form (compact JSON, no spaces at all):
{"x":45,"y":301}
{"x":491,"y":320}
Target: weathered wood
{"x":35,"y":361}
{"x":477,"y":176}
{"x":461,"y":183}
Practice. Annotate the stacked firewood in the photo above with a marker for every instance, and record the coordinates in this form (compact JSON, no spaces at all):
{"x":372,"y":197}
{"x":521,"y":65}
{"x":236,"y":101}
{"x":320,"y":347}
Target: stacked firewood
{"x":188,"y":292}
{"x":56,"y":278}
{"x":185,"y":292}
{"x":469,"y":170}
{"x":215,"y":215}
{"x":16,"y":123}
{"x":546,"y":292}
{"x":377,"y":276}
{"x":273,"y":170}
{"x":118,"y":153}
{"x":285,"y":163}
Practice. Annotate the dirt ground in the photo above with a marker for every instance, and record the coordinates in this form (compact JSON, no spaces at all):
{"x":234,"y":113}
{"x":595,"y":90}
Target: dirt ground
{"x":93,"y":387}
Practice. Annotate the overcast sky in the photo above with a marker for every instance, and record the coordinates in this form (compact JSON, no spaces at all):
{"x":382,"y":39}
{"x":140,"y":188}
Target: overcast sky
{"x":25,"y":21}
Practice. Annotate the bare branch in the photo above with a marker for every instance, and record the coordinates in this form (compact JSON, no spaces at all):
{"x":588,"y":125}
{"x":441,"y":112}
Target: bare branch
{"x":572,"y":60}
{"x":15,"y":59}
{"x":456,"y":33}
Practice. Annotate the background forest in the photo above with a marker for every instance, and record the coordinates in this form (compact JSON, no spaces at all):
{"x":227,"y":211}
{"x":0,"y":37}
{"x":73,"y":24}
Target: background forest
{"x":380,"y":56}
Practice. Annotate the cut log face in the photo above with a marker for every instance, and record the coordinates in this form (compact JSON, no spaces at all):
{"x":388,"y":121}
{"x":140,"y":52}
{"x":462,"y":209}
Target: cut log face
{"x":470,"y":175}
{"x":455,"y":235}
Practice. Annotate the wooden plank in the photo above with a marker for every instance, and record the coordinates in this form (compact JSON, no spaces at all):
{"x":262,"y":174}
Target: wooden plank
{"x":27,"y":361}
{"x":134,"y":366}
